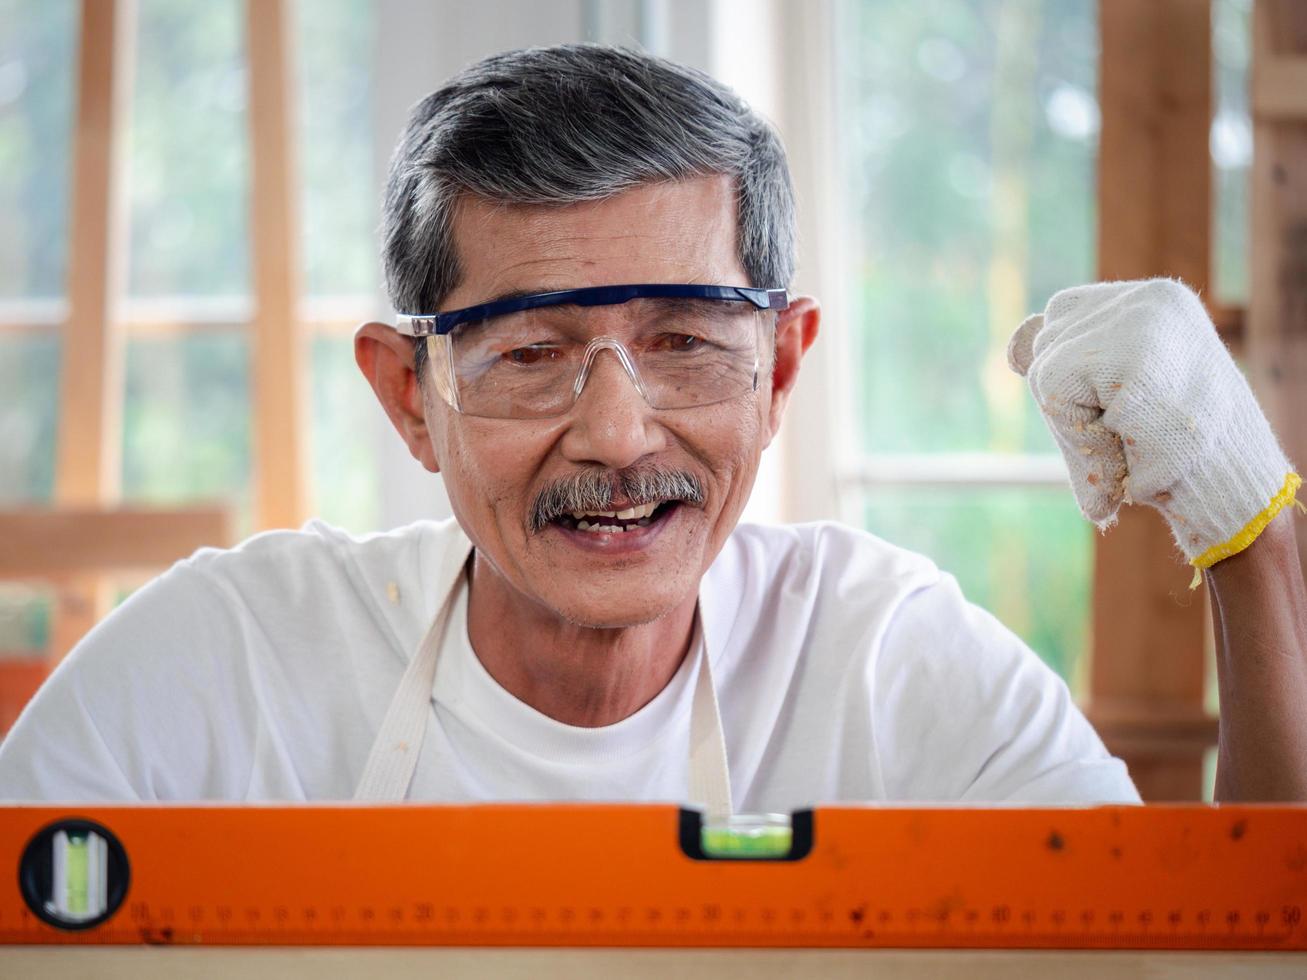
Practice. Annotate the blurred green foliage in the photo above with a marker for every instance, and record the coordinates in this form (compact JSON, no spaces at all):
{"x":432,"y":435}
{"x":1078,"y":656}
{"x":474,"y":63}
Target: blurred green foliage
{"x":346,"y":421}
{"x":29,"y":369}
{"x":341,"y":191}
{"x":970,"y":143}
{"x":38,"y":49}
{"x":1232,"y":148}
{"x":189,"y":151}
{"x":920,"y":98}
{"x":186,"y":420}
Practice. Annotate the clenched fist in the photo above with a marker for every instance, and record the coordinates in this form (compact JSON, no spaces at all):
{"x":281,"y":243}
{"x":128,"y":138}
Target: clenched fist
{"x":1148,"y":407}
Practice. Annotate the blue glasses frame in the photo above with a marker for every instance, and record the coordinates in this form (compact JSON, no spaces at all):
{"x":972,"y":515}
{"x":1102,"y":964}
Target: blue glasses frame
{"x":439,"y":324}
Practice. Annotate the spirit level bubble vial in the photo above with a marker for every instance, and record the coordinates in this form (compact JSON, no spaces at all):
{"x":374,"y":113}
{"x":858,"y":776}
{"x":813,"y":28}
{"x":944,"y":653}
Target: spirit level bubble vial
{"x":73,"y":874}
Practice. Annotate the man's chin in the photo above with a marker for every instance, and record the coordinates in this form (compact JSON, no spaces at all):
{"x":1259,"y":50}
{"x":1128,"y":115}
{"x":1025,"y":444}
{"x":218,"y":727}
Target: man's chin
{"x":617,"y":605}
{"x":606,"y":615}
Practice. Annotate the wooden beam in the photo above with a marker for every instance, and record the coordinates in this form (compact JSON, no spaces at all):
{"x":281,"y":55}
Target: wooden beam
{"x":1154,"y":173}
{"x":1279,"y":89}
{"x":90,"y":401}
{"x":27,"y":314}
{"x":1145,"y":728}
{"x":78,"y":550}
{"x":20,"y":676}
{"x":1154,"y":194}
{"x":277,"y":349}
{"x":87,"y":460}
{"x":58,"y":544}
{"x":1231,"y":321}
{"x":1277,"y":314}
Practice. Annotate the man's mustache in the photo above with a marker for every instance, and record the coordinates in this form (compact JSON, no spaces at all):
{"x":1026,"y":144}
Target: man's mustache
{"x":594,"y":490}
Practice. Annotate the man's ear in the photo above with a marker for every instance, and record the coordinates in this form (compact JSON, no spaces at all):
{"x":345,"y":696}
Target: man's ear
{"x":385,"y":356}
{"x":796,"y":329}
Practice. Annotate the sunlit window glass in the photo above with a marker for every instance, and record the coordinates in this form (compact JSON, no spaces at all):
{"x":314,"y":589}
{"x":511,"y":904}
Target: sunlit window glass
{"x":334,"y":50}
{"x":189,"y":150}
{"x":38,"y":56}
{"x":970,"y":147}
{"x":186,"y":415}
{"x":186,"y":423}
{"x":1232,"y":148}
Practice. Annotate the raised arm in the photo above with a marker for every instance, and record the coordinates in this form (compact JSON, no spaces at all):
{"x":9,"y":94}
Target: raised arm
{"x":1148,"y":407}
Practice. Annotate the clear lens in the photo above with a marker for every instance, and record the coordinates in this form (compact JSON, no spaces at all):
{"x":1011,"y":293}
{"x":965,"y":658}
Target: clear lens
{"x":534,"y":364}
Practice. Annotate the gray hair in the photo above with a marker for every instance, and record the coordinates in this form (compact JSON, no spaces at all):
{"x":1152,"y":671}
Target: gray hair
{"x":574,"y":123}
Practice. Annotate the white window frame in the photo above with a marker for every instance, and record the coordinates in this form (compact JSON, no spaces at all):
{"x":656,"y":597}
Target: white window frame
{"x":823,"y":473}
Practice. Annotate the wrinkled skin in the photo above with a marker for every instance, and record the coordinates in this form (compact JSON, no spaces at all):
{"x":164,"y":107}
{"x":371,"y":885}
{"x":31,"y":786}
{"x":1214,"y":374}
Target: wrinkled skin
{"x":588,"y":633}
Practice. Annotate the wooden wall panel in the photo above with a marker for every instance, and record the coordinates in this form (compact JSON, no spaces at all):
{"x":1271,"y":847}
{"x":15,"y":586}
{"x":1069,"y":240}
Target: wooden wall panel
{"x":1277,"y":315}
{"x":1154,"y":192}
{"x":57,"y":544}
{"x":90,"y":390}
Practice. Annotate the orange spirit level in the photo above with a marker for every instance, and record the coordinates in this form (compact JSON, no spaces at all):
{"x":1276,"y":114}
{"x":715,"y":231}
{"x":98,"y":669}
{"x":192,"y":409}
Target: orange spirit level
{"x":1165,"y":877}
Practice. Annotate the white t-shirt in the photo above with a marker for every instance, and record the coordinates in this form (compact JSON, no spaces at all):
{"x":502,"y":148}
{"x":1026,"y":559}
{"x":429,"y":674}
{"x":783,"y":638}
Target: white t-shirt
{"x":847,"y":669}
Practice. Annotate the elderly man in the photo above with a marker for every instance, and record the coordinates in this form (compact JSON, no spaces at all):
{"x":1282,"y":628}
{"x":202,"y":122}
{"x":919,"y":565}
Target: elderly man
{"x":590,"y":250}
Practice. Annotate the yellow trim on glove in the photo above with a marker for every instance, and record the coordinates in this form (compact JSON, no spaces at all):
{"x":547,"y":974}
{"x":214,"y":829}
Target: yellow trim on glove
{"x":1286,"y":496}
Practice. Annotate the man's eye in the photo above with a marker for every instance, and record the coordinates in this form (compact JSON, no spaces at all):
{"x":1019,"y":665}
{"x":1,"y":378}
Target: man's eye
{"x":527,"y":356}
{"x":680,"y":343}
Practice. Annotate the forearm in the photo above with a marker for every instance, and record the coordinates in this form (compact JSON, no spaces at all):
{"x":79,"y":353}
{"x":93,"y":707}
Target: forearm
{"x":1259,"y":611}
{"x":1147,"y":406}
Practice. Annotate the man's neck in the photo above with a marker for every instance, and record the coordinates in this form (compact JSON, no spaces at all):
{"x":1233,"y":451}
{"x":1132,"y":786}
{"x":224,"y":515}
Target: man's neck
{"x":574,"y":674}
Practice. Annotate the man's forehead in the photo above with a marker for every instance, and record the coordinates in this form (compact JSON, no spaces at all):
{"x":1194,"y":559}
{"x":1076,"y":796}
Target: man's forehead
{"x":684,"y":231}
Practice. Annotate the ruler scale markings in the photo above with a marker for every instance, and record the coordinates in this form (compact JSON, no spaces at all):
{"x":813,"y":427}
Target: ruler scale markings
{"x":1178,"y":877}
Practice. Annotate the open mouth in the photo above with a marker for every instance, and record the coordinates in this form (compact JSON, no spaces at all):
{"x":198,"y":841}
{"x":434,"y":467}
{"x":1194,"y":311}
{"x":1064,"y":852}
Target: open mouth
{"x":617,"y":522}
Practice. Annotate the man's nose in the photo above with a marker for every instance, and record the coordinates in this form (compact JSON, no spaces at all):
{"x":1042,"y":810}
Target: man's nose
{"x":612,"y":425}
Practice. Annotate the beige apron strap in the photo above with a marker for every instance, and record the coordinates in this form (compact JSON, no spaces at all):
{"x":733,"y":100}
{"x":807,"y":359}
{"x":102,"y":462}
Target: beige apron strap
{"x":394,"y":755}
{"x":710,"y":776}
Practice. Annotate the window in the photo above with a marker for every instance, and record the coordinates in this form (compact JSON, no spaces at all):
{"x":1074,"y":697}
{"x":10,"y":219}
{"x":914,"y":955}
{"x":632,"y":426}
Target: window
{"x":1232,"y":148}
{"x":187,"y":290}
{"x":38,"y":53}
{"x":339,"y":217}
{"x":970,"y":137}
{"x":187,"y":428}
{"x":184,"y":300}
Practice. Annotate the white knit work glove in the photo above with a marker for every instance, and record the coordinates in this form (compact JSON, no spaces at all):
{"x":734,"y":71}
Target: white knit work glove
{"x":1148,"y":407}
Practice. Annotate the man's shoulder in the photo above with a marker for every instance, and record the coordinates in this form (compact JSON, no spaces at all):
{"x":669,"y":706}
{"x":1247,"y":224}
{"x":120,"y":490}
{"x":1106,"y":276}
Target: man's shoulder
{"x":823,"y":550}
{"x":294,"y":559}
{"x":798,"y":586}
{"x":297,"y":584}
{"x":318,"y":540}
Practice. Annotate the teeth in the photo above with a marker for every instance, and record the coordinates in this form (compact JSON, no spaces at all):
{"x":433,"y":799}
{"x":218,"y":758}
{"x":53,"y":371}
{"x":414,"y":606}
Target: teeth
{"x":630,"y":514}
{"x":600,"y":528}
